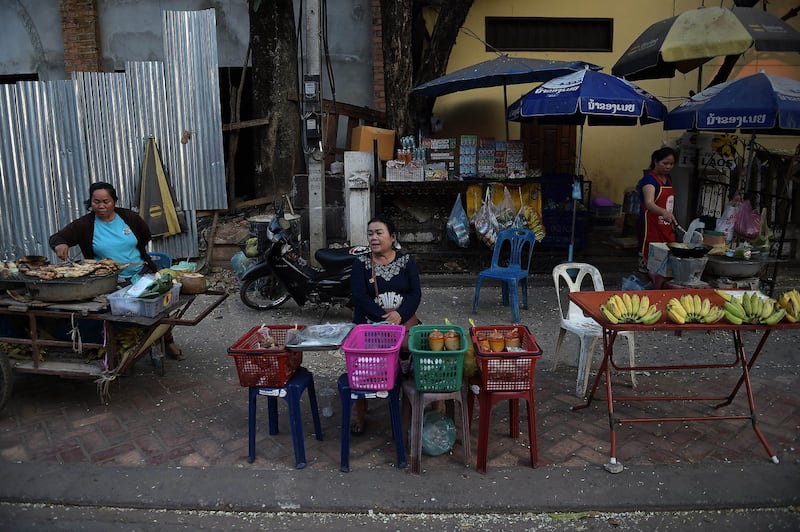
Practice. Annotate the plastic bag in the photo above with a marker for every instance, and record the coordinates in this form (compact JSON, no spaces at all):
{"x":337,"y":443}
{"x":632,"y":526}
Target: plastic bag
{"x":438,"y":433}
{"x":726,"y":221}
{"x":505,"y":212}
{"x":458,"y":224}
{"x":747,"y":224}
{"x":485,"y":222}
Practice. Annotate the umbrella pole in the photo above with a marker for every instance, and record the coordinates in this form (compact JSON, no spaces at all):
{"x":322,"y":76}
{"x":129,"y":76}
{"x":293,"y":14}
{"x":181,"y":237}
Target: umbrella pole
{"x":505,"y":106}
{"x":575,"y":201}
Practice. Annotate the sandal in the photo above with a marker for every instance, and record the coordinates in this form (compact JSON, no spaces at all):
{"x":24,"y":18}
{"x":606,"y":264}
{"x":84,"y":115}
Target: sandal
{"x":175,"y":355}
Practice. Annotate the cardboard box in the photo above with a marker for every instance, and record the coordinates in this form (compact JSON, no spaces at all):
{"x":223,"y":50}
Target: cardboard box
{"x":658,"y":259}
{"x":364,"y":135}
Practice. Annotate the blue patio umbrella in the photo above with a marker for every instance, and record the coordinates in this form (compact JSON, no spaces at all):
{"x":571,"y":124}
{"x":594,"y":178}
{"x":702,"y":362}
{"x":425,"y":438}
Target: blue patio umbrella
{"x":502,"y":71}
{"x":587,"y":97}
{"x":759,"y":103}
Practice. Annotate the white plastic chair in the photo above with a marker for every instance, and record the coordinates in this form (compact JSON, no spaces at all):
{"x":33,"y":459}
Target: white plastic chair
{"x":574,"y":321}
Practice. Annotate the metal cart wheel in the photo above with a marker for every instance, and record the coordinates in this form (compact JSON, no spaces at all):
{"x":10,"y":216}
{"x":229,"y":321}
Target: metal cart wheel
{"x":6,"y":378}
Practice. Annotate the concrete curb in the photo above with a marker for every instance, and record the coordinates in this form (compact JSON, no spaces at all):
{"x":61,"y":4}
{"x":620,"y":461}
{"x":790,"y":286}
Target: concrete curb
{"x":550,"y":489}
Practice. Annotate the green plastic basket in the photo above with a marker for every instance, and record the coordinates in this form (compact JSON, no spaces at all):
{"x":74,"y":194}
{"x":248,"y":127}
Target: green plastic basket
{"x":437,"y":371}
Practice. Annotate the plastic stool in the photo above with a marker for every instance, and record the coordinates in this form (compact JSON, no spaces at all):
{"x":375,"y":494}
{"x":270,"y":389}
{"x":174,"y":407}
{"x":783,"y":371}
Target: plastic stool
{"x":161,"y":260}
{"x":291,"y":393}
{"x":348,"y":397}
{"x":487,"y":400}
{"x":418,"y":402}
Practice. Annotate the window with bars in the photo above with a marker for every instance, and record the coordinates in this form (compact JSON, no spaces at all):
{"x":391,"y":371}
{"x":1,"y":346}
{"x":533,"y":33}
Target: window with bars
{"x":522,"y":34}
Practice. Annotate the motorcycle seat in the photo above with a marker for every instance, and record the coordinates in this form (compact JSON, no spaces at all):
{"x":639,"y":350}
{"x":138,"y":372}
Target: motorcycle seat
{"x":334,"y":258}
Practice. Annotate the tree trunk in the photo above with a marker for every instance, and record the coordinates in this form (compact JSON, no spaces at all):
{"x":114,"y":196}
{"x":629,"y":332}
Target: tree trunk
{"x":405,"y":112}
{"x":274,"y":52}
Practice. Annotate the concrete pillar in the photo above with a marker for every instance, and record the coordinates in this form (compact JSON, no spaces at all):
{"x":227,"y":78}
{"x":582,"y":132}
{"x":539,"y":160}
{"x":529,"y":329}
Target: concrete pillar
{"x":358,"y":180}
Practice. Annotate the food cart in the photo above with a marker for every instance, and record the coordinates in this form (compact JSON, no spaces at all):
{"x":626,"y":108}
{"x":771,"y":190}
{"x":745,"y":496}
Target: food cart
{"x":590,"y":303}
{"x":29,"y":303}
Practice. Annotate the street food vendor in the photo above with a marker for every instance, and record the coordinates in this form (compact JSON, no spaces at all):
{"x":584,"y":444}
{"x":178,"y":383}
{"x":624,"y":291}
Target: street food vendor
{"x":111,"y":232}
{"x":657,"y":200}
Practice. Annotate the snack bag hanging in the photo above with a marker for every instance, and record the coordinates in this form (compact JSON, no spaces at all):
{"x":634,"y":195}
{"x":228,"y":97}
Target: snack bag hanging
{"x":458,"y":224}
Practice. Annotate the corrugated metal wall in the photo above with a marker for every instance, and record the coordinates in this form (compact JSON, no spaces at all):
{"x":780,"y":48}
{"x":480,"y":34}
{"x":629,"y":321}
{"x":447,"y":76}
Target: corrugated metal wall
{"x":58,"y":137}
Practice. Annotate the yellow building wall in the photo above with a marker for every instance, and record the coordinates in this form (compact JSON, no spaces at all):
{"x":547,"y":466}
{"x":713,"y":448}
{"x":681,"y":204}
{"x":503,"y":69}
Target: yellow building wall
{"x":613,"y":157}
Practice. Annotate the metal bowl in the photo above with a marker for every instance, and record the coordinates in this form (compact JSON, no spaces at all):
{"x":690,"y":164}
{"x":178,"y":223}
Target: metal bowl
{"x":734,"y":268}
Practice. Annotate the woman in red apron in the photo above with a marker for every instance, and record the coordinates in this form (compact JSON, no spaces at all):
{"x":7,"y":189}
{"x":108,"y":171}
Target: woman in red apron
{"x":657,"y":202}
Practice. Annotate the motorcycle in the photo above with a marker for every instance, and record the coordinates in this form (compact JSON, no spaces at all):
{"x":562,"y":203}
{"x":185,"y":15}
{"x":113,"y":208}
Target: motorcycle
{"x":281,"y":273}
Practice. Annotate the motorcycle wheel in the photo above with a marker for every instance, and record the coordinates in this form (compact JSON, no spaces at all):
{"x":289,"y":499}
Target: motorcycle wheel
{"x":264,"y":293}
{"x":6,"y":379}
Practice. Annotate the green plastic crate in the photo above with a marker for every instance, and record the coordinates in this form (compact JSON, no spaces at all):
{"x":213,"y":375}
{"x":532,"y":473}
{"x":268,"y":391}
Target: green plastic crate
{"x":437,"y":371}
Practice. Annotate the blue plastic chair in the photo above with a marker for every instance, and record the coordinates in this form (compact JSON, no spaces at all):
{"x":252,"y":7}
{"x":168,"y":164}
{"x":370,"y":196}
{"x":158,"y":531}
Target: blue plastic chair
{"x":301,"y":381}
{"x":349,"y":396}
{"x":519,"y":243}
{"x":162,"y":260}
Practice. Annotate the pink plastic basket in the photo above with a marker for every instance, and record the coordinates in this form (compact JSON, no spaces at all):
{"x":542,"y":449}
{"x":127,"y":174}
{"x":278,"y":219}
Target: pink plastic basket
{"x":372,"y":354}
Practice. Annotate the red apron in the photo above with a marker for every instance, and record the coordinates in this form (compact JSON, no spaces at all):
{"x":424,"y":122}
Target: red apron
{"x":656,"y":229}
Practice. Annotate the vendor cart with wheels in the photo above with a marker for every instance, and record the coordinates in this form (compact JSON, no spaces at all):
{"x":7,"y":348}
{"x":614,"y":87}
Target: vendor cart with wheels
{"x":26,"y":347}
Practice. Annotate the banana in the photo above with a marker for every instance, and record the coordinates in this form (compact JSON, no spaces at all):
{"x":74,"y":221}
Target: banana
{"x":775,"y":317}
{"x":734,"y":308}
{"x":677,"y":308}
{"x":767,"y":308}
{"x":608,"y":314}
{"x":733,"y":318}
{"x":747,"y":304}
{"x":652,"y":316}
{"x":626,"y":300}
{"x":611,"y":304}
{"x":620,"y":303}
{"x":644,"y":304}
{"x":726,"y":296}
{"x":688,"y":303}
{"x":698,"y":304}
{"x":705,"y":307}
{"x":674,"y":316}
{"x":756,"y":304}
{"x":635,"y":305}
{"x":714,"y":315}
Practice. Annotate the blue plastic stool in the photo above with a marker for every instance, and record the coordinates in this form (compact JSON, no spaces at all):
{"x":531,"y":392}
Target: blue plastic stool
{"x":348,"y":397}
{"x":291,"y":393}
{"x":162,"y":260}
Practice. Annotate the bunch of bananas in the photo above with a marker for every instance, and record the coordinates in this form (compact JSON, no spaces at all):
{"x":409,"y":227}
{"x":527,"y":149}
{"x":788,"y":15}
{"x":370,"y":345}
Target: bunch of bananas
{"x":751,"y":309}
{"x":692,"y":309}
{"x":791,"y":302}
{"x":628,"y":308}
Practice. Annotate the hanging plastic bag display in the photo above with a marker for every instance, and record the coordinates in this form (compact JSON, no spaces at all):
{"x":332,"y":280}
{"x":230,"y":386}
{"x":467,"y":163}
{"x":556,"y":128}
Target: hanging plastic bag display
{"x":726,"y":221}
{"x":528,"y":218}
{"x":485,"y":222}
{"x":748,"y":222}
{"x":458,"y":224}
{"x":505,"y":212}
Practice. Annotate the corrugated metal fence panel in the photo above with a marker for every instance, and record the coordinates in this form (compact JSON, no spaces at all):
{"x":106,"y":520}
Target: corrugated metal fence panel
{"x":190,"y":51}
{"x":71,"y":171}
{"x":10,"y":169}
{"x":148,"y":98}
{"x":34,"y":187}
{"x":58,"y":137}
{"x":105,"y":116}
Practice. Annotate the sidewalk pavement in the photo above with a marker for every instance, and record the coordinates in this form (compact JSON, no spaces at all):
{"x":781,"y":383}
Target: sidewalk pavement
{"x":180,"y":440}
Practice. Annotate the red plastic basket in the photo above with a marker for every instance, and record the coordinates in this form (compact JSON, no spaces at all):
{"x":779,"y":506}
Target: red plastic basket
{"x":265,"y":367}
{"x":527,"y":341}
{"x":508,"y":371}
{"x":372,"y":354}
